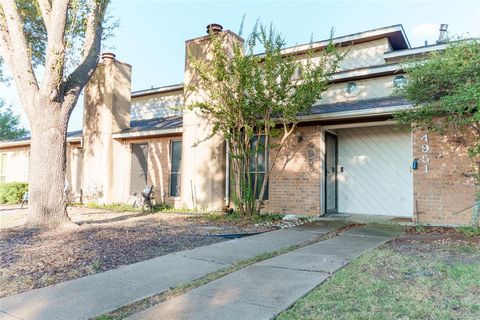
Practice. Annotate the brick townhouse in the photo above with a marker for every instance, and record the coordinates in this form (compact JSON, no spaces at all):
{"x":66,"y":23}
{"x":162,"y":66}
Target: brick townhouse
{"x":348,"y":155}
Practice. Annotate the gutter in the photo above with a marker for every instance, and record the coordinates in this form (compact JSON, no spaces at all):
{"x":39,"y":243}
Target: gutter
{"x":353,"y":113}
{"x":14,"y":144}
{"x":414,"y":51}
{"x":367,"y":72}
{"x":23,"y":143}
{"x":165,"y":89}
{"x":147,"y":133}
{"x":354,"y":38}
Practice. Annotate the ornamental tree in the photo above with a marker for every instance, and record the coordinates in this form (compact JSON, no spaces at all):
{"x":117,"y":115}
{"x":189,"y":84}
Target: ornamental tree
{"x":51,"y":48}
{"x":9,"y":124}
{"x":253,"y":101}
{"x":445,"y":93}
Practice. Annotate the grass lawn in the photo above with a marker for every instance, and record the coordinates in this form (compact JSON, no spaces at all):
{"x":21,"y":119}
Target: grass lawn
{"x":417,"y":277}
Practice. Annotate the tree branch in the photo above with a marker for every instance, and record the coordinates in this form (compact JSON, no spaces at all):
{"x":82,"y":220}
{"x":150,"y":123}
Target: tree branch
{"x":55,"y":59}
{"x":45,"y":9}
{"x":91,"y":50}
{"x":15,"y":51}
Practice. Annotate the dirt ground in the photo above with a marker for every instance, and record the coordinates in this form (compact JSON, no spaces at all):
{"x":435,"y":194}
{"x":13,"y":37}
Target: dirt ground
{"x":105,"y":240}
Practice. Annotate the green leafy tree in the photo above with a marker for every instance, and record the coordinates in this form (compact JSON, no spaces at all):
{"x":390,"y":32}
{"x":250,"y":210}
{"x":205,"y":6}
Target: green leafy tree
{"x":254,"y":102}
{"x":60,"y":40}
{"x":445,"y":93}
{"x":9,"y":124}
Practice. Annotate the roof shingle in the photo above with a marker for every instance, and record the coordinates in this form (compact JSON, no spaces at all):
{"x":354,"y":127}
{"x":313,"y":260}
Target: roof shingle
{"x":384,"y":102}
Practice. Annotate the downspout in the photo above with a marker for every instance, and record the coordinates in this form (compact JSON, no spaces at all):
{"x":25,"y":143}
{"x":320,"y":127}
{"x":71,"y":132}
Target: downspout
{"x":227,"y":175}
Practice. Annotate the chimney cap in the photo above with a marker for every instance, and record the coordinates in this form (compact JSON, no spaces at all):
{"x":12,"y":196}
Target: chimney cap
{"x":108,"y":55}
{"x":214,"y":28}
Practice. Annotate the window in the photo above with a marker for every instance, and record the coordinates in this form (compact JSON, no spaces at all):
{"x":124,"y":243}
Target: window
{"x":3,"y":167}
{"x":297,"y":74}
{"x":399,"y":81}
{"x":262,"y":165}
{"x":176,"y":161}
{"x":351,"y":88}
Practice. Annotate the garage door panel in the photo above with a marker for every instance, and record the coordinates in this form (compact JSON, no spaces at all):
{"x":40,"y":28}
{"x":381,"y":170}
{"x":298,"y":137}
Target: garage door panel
{"x":377,"y":178}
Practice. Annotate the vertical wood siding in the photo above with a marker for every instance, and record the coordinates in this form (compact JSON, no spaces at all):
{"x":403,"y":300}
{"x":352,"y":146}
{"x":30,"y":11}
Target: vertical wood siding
{"x":377,"y":178}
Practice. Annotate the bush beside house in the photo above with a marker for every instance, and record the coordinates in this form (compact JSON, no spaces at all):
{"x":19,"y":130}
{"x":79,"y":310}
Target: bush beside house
{"x":12,"y":192}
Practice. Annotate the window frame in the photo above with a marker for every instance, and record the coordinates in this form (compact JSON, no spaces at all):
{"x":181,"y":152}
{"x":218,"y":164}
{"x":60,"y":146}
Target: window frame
{"x":177,"y":173}
{"x":265,"y":167}
{"x":3,"y":167}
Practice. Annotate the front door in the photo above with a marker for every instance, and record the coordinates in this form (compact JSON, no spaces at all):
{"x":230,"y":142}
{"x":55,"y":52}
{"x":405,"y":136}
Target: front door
{"x":331,"y":203}
{"x":138,"y":173}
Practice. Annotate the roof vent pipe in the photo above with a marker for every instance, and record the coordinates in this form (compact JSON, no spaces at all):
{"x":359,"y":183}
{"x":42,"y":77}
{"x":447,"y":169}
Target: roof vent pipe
{"x":442,"y":38}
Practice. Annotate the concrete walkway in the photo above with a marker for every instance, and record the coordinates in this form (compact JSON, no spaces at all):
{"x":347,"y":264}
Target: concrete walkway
{"x":94,"y":295}
{"x":264,"y":289}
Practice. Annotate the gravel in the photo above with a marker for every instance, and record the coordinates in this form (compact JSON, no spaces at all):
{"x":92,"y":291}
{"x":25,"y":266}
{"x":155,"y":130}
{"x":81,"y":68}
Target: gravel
{"x":287,"y":222}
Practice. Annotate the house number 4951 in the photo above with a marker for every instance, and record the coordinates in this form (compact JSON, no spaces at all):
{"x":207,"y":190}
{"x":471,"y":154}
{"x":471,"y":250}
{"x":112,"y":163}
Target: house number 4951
{"x":425,"y":153}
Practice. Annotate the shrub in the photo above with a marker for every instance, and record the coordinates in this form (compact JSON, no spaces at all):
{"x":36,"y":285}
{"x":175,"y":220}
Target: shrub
{"x":469,"y":231}
{"x":162,"y":207}
{"x":12,"y":192}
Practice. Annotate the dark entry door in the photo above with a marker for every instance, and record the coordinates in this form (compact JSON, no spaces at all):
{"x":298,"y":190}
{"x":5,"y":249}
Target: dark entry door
{"x":139,"y":167}
{"x":331,"y":147}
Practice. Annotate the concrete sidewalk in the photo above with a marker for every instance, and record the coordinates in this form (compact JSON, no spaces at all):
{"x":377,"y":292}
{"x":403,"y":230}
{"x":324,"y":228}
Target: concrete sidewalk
{"x":264,"y":289}
{"x":94,"y":295}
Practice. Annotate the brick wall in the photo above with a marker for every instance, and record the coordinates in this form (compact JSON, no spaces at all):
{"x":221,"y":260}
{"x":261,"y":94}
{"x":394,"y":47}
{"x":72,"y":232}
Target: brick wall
{"x":445,"y":188}
{"x":295,"y":179}
{"x":159,"y":167}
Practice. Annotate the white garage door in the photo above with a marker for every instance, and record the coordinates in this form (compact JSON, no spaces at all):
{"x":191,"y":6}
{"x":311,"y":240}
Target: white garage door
{"x":376,"y":177}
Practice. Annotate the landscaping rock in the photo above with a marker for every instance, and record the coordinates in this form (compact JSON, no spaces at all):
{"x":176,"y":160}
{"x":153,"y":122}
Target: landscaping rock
{"x":289,"y":221}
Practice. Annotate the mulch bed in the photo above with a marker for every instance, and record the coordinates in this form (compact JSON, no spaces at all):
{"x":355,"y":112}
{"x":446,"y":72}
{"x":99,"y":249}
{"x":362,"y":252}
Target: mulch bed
{"x":439,"y":235}
{"x":36,"y":258}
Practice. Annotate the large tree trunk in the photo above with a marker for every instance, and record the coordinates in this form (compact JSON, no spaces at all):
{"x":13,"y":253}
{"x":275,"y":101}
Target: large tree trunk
{"x":43,"y":101}
{"x":47,"y":201}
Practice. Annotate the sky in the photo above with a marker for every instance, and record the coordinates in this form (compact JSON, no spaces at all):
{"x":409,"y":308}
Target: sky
{"x":151,"y":34}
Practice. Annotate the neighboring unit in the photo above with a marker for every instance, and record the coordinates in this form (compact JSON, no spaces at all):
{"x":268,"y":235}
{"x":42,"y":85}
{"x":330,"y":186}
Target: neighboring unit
{"x":347,"y":156}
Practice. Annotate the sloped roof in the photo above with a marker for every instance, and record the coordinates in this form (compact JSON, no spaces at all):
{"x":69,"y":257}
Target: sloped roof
{"x":384,"y":102}
{"x":135,"y":126}
{"x":74,"y":134}
{"x":71,"y":134}
{"x":174,"y":122}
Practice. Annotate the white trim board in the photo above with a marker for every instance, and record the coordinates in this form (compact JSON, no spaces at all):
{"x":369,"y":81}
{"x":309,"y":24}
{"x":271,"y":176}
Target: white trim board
{"x":360,"y":124}
{"x":146,"y":133}
{"x":354,"y":113}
